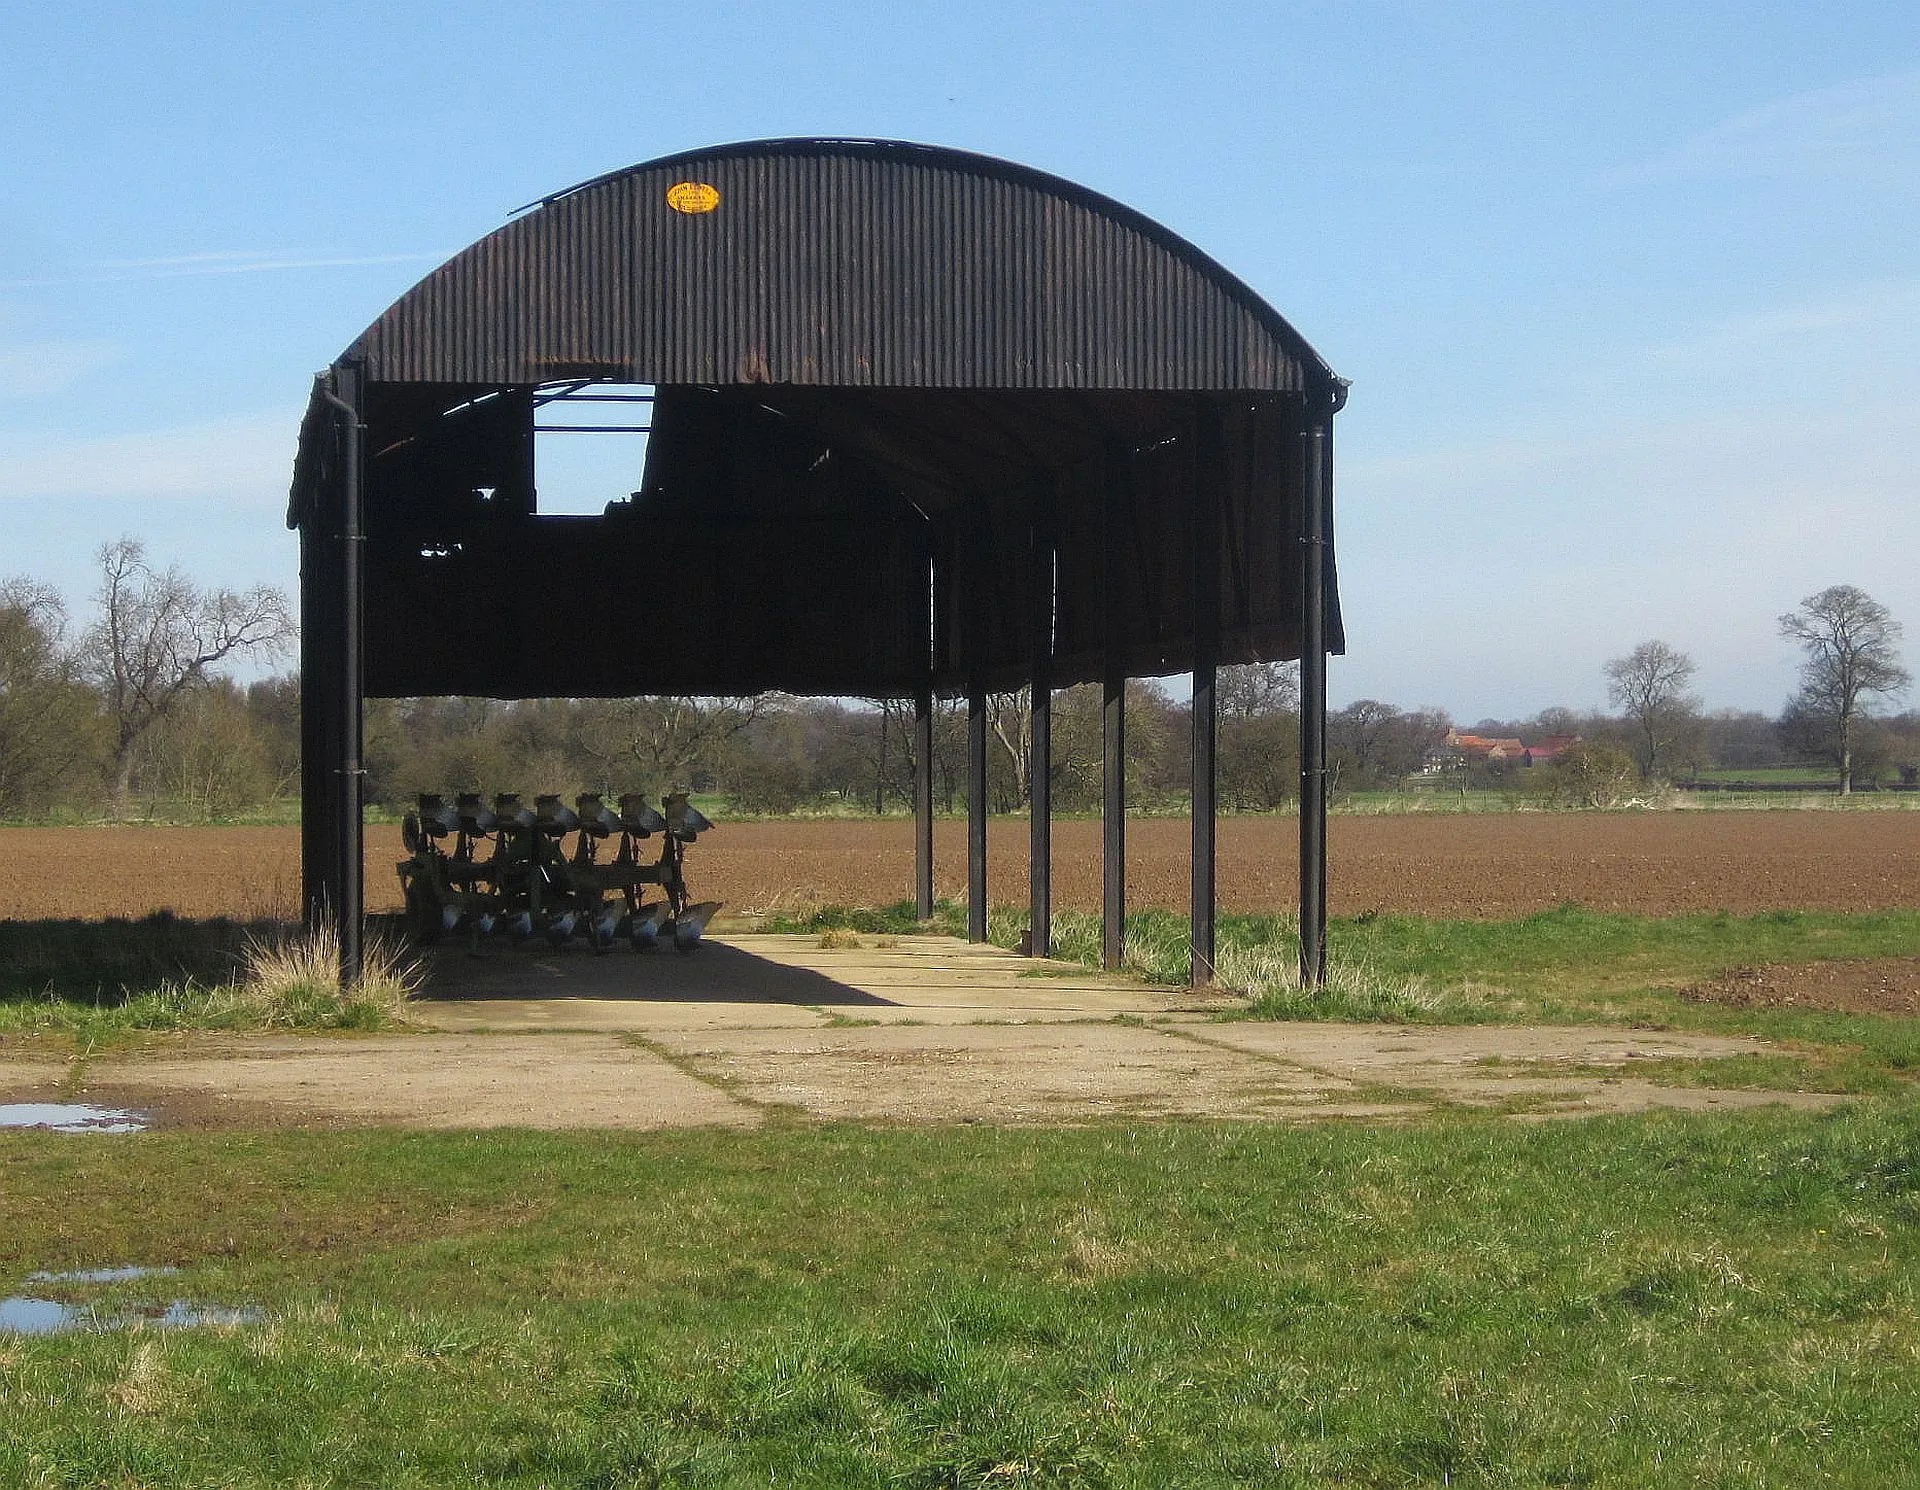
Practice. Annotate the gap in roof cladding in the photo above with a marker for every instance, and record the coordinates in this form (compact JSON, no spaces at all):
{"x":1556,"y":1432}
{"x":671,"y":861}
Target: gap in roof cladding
{"x":578,"y":470}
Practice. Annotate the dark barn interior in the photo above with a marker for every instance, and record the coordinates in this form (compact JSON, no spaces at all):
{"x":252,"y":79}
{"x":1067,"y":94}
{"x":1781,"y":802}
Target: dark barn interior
{"x":918,"y":423}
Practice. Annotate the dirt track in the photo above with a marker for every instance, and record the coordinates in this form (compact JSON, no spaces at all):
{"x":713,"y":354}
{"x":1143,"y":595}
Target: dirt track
{"x":1446,"y":865}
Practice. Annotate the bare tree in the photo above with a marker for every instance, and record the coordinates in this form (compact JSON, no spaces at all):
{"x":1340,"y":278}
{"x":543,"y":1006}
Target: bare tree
{"x":206,"y":756}
{"x":1850,"y":641}
{"x":1372,"y":745}
{"x":157,"y":637}
{"x":48,"y":718}
{"x":1257,"y":752}
{"x":949,"y":749}
{"x":1257,"y":690}
{"x":1010,"y":717}
{"x":665,"y":738}
{"x":1650,"y":685}
{"x":888,"y":735}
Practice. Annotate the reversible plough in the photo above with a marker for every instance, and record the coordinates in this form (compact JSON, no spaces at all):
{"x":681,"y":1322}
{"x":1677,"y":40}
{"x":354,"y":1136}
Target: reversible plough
{"x":506,"y":870}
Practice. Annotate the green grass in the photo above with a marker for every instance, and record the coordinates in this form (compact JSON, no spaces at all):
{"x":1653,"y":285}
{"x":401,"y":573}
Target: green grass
{"x":97,"y":981}
{"x":1635,"y":1302}
{"x":1646,"y":1302}
{"x":1825,"y":774}
{"x":1574,"y":948}
{"x":1542,"y":954}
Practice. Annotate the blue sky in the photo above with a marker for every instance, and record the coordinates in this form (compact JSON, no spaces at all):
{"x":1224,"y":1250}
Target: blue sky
{"x":1629,"y":294}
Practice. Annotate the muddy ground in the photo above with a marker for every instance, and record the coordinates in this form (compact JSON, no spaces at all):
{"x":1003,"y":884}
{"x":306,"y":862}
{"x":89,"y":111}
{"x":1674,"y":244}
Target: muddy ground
{"x":1868,"y":985}
{"x":1476,"y":866}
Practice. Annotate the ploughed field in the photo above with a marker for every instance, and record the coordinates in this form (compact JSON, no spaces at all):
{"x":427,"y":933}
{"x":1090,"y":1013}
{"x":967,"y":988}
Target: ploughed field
{"x":1464,"y":866}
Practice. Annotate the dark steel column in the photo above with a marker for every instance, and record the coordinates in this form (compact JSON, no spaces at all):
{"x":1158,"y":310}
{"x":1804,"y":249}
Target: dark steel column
{"x":319,"y":851}
{"x":975,"y":623}
{"x":1113,"y":820}
{"x":1040,"y":752}
{"x":349,"y":888}
{"x":1116,"y":508}
{"x":1313,"y":694}
{"x":976,"y":812}
{"x":1209,"y":491}
{"x":923,"y":801}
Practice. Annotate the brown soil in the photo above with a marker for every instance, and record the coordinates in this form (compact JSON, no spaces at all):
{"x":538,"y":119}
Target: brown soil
{"x":1875,"y":985}
{"x":1442,"y":865}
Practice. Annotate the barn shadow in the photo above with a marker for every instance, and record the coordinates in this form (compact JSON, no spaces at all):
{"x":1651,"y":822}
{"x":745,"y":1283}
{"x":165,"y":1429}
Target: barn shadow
{"x":714,"y":972}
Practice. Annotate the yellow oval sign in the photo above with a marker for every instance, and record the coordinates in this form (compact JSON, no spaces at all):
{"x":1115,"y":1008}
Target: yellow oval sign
{"x":693,"y":196}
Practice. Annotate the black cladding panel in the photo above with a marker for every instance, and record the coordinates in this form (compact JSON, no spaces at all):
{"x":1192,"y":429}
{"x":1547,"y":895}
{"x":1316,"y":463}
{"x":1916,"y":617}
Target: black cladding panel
{"x":842,"y":264}
{"x":878,"y":366}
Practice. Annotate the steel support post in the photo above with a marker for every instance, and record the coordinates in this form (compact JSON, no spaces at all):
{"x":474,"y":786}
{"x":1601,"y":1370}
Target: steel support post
{"x":976,"y":812}
{"x":974,"y":623}
{"x":1040,"y":823}
{"x":1209,"y":491}
{"x":923,"y":801}
{"x":347,"y":396}
{"x":1313,"y":695}
{"x":1116,"y":511}
{"x":1040,"y":748}
{"x":319,"y":849}
{"x":1113,"y":820}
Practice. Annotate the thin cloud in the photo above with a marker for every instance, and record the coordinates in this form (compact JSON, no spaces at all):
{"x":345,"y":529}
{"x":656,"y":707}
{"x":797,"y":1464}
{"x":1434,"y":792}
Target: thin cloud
{"x":203,"y":265}
{"x":1868,"y":128}
{"x":1873,"y":309}
{"x":40,"y":369}
{"x":247,"y":459}
{"x":1500,"y":577}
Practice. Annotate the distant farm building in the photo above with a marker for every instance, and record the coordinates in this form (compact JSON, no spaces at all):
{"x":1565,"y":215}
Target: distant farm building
{"x":1459,"y":749}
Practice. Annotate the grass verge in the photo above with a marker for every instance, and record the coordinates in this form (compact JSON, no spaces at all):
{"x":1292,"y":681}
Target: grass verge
{"x":97,"y":980}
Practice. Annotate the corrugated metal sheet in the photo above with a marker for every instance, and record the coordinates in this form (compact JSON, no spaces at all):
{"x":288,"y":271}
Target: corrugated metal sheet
{"x":838,"y":263}
{"x":869,"y":359}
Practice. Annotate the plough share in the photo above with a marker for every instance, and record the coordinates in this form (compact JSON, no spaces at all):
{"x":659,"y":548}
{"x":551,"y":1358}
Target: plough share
{"x":505,"y":870}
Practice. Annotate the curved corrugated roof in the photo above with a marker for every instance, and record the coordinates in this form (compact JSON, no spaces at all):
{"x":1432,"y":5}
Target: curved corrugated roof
{"x":837,"y":263}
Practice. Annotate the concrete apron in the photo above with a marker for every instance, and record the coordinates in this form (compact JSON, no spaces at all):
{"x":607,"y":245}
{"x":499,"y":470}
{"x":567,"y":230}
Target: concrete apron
{"x":762,"y":980}
{"x":907,"y":1029}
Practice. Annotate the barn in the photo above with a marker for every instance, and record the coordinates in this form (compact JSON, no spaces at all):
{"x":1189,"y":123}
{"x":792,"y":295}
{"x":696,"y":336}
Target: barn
{"x":918,"y":423}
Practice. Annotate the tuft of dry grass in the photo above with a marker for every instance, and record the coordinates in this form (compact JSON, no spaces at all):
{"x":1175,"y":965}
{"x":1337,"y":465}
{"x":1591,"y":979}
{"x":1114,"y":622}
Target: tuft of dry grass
{"x":1269,"y":974}
{"x":145,"y":1386}
{"x":1092,"y":1256}
{"x":293,"y":978}
{"x":838,"y":937}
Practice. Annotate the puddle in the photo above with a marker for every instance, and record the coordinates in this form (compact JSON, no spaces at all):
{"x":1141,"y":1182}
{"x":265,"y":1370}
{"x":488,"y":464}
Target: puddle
{"x":101,"y":1275}
{"x":24,"y":1314}
{"x":71,"y":1117}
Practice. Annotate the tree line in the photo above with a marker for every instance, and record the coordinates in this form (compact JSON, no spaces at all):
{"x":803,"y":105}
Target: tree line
{"x":133,"y":713}
{"x":1849,"y":668}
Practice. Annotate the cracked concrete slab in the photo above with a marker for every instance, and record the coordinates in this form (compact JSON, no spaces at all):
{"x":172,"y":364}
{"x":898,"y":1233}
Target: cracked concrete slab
{"x":535,"y":1081}
{"x":1386,"y":1051}
{"x":1496,"y":1065}
{"x":907,"y":1029}
{"x":1610,"y":1095}
{"x":1000,"y":1073}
